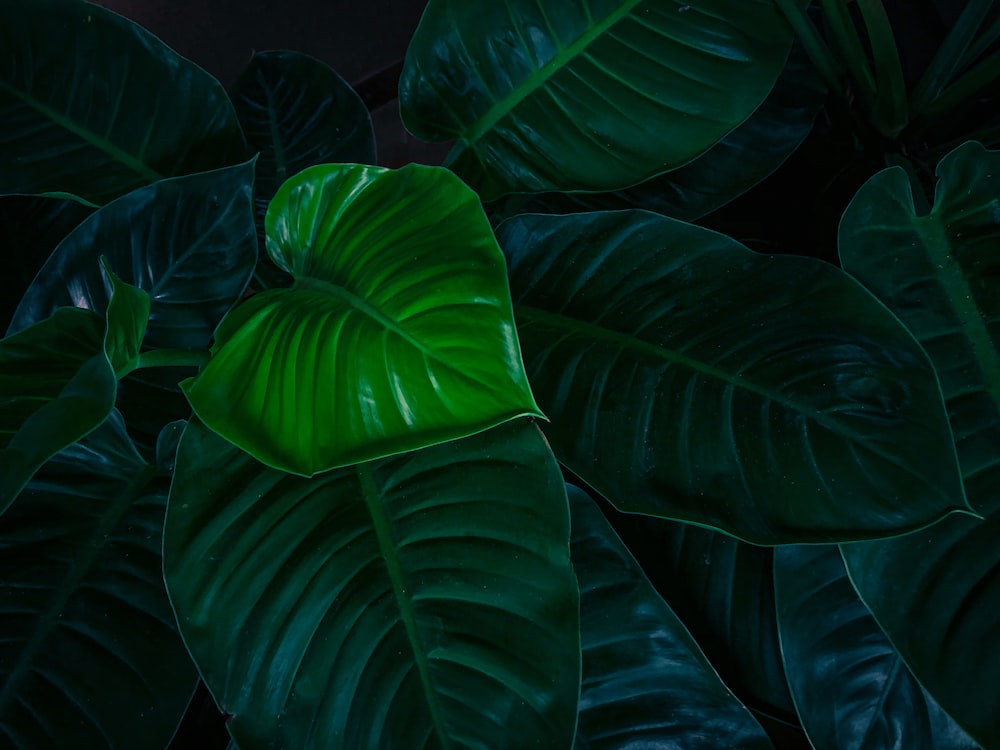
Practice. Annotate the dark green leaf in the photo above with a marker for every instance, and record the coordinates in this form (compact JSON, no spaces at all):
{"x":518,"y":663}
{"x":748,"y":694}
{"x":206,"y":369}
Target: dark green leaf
{"x":645,"y":682}
{"x":422,"y":601}
{"x":770,"y":397}
{"x":851,"y":688}
{"x":398,"y":332}
{"x":95,"y":106}
{"x":937,"y":593}
{"x":56,"y":385}
{"x":556,"y":95}
{"x":126,"y":318}
{"x":89,"y":653}
{"x":731,"y":167}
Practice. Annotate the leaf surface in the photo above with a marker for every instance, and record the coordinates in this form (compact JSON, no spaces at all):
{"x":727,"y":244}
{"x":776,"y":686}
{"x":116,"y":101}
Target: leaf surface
{"x":770,"y":397}
{"x":422,"y":601}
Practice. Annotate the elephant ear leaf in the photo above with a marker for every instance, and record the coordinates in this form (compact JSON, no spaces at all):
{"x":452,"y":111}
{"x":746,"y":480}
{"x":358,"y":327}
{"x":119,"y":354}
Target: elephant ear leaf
{"x":397,"y":334}
{"x":545,"y":95}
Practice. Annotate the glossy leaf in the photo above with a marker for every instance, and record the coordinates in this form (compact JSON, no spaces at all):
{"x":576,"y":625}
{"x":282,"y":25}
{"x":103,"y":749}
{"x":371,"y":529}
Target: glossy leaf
{"x":95,"y":106}
{"x":398,"y":332}
{"x":645,"y":681}
{"x":557,"y":95}
{"x":732,"y":166}
{"x":296,"y":113}
{"x":852,"y":689}
{"x":56,"y":385}
{"x":89,"y":654}
{"x":940,"y":274}
{"x":687,"y":377}
{"x":421,"y":601}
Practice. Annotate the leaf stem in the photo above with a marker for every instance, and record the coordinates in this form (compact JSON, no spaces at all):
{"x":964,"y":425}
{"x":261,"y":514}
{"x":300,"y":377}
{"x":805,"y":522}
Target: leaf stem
{"x":818,"y":51}
{"x":845,"y":36}
{"x":889,"y":113}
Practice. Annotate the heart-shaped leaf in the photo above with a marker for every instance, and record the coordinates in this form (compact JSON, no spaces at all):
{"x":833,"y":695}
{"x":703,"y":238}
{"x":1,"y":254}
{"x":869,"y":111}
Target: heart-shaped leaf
{"x":90,"y":653}
{"x":940,"y":273}
{"x":645,"y":681}
{"x":851,"y":689}
{"x":770,"y":397}
{"x":557,"y":95}
{"x":426,"y":600}
{"x":398,"y":332}
{"x":95,"y":106}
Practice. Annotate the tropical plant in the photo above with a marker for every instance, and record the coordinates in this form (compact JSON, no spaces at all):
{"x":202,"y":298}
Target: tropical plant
{"x":355,"y":450}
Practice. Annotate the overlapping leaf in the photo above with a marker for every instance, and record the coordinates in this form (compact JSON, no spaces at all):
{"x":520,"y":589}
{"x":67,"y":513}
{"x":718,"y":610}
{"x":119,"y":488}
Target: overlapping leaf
{"x":89,"y":654}
{"x":421,"y":601}
{"x":559,"y":95}
{"x":940,"y":274}
{"x":95,"y":106}
{"x":770,"y":397}
{"x":398,"y":332}
{"x":645,"y":681}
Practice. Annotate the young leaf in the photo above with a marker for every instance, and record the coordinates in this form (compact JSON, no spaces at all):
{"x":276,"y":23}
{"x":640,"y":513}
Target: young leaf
{"x":770,"y":397}
{"x":91,"y":656}
{"x":398,"y":332}
{"x":645,"y":681}
{"x":126,"y":318}
{"x":425,"y":600}
{"x":95,"y":106}
{"x":940,"y":274}
{"x":552,"y":95}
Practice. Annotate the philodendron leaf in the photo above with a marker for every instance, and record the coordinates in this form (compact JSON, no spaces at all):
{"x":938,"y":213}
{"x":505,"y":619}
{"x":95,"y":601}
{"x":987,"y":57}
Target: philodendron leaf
{"x":770,"y":397}
{"x":95,"y":106}
{"x":397,"y":334}
{"x":645,"y":681}
{"x":558,"y":95}
{"x":421,"y":601}
{"x":732,"y":166}
{"x":852,"y":690}
{"x":125,"y":323}
{"x":297,"y":113}
{"x":89,"y":650}
{"x":937,"y":593}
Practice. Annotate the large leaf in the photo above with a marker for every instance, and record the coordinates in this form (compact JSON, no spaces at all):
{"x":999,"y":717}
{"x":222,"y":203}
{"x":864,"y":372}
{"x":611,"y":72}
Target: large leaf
{"x":645,"y":682}
{"x":95,"y":106}
{"x":422,"y":601}
{"x":398,"y":332}
{"x":89,"y":652}
{"x":770,"y":397}
{"x":564,"y":95}
{"x":937,"y":593}
{"x":851,"y":688}
{"x":727,"y":170}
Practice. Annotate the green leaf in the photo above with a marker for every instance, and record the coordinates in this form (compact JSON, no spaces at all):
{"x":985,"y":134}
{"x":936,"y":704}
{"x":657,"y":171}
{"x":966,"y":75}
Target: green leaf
{"x":90,"y":653}
{"x":127,"y":315}
{"x":56,"y":385}
{"x":770,"y":397}
{"x":426,"y":600}
{"x":555,"y":95}
{"x":95,"y":106}
{"x":398,"y":332}
{"x":645,"y":681}
{"x":940,"y":274}
{"x":297,"y":113}
{"x":732,"y":166}
{"x":851,"y":688}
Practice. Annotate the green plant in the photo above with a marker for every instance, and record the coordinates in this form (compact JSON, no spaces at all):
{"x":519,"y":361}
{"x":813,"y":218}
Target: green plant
{"x":306,"y":381}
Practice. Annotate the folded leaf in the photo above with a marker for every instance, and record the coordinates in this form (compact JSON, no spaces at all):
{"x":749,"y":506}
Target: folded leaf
{"x":770,"y":397}
{"x":559,"y":95}
{"x":397,"y":334}
{"x":95,"y":106}
{"x":426,"y":600}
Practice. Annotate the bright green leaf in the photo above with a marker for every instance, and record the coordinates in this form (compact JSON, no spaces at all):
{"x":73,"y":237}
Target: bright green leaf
{"x":95,"y":106}
{"x":558,"y":95}
{"x":940,"y":273}
{"x":90,"y":653}
{"x":770,"y":397}
{"x":421,"y":601}
{"x":126,"y":318}
{"x":645,"y":681}
{"x":398,"y":332}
